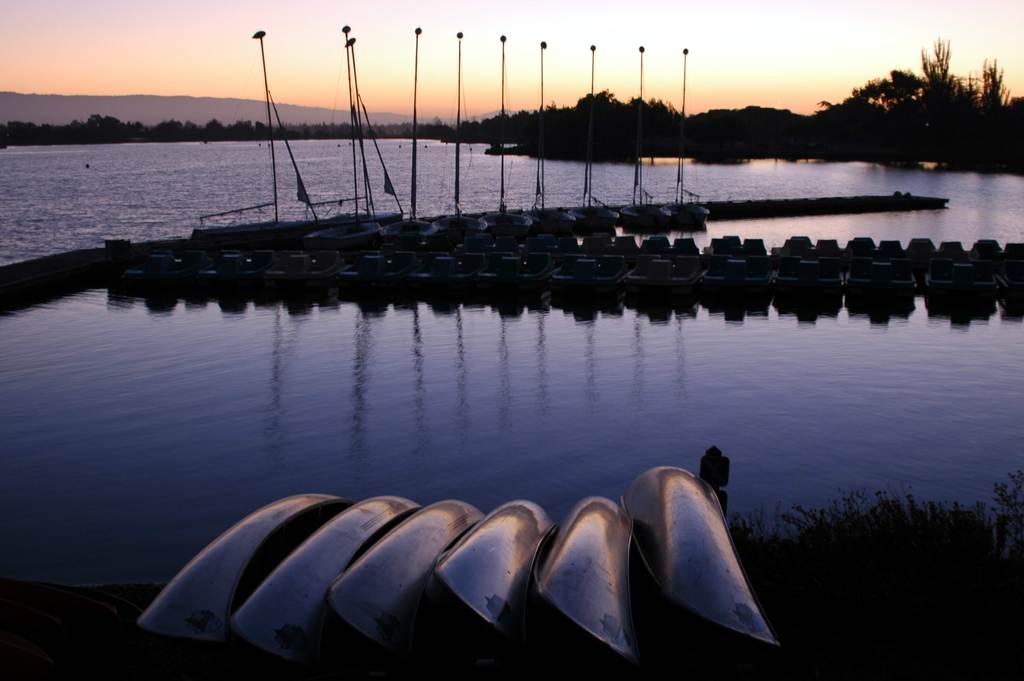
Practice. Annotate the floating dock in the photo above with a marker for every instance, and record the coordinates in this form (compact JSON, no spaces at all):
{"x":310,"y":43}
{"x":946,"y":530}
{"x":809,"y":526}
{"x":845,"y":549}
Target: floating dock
{"x":24,"y":281}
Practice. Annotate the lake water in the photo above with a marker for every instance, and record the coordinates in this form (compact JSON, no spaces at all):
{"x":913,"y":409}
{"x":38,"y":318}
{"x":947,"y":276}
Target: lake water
{"x":133,"y":430}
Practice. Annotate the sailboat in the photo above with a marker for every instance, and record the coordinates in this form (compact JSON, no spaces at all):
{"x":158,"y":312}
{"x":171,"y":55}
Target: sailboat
{"x":458,"y":226}
{"x":265,"y":229}
{"x":412,"y":225}
{"x":365,"y":227}
{"x":548,"y":220}
{"x":503,"y":223}
{"x":640,"y":215}
{"x":686,"y":212}
{"x":589,"y":217}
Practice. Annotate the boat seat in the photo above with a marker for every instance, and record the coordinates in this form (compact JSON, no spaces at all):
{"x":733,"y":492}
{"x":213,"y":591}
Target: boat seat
{"x":659,"y":270}
{"x":789,"y":266}
{"x":402,"y":260}
{"x":963,"y":275}
{"x":596,"y":245}
{"x":506,"y":244}
{"x":538,"y":262}
{"x":369,"y":265}
{"x":478,"y":244}
{"x":952,"y":250}
{"x":828,"y":248}
{"x":986,"y":249}
{"x":725,"y":245}
{"x":1014,"y":251}
{"x":920,"y":250}
{"x":807,"y":271}
{"x":643,"y":263}
{"x":437,"y":243}
{"x":759,"y":266}
{"x":585,"y":269}
{"x":508,"y":266}
{"x":861,"y":247}
{"x":797,"y":245}
{"x":568,"y":244}
{"x":229,"y":262}
{"x":611,"y":265}
{"x":754,"y":247}
{"x":902,"y":269}
{"x":829,"y":268}
{"x":541,"y":244}
{"x":260,"y":259}
{"x":890,"y":249}
{"x":881,"y":272}
{"x":1013,"y":270}
{"x":685,"y":246}
{"x":324,"y":260}
{"x":984,"y":272}
{"x":860,"y":269}
{"x":735,"y":270}
{"x":158,"y":262}
{"x":940,"y":269}
{"x":471,"y":262}
{"x":407,"y":242}
{"x":442,"y":266}
{"x":568,"y":267}
{"x":685,"y":266}
{"x":717,"y":266}
{"x":296,"y":263}
{"x":656,"y":244}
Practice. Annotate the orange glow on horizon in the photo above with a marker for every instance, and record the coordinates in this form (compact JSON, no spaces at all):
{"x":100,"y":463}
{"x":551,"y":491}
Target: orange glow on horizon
{"x":792,"y":55}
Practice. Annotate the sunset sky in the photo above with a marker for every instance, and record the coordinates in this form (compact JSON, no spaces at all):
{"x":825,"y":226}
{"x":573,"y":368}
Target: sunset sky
{"x":789,"y":53}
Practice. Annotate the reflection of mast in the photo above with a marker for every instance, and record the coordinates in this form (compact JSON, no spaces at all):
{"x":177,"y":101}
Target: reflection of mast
{"x":417,"y":365}
{"x":590,"y":367}
{"x":542,"y":369}
{"x":359,"y":376}
{"x":273,"y":427}
{"x":638,"y":361}
{"x":505,"y":397}
{"x":680,"y":359}
{"x":460,"y":376}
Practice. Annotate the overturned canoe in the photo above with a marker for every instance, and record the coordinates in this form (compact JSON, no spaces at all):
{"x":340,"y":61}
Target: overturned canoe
{"x":285,"y":615}
{"x":584,"y":575}
{"x":197,"y":603}
{"x":489,"y":568}
{"x":379,"y":594}
{"x":685,"y":543}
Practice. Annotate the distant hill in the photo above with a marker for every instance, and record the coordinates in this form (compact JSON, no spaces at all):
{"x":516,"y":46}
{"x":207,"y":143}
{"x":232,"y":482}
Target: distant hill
{"x":152,"y":109}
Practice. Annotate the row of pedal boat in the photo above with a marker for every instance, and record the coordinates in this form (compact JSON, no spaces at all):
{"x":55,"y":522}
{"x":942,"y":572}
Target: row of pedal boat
{"x":606,"y":264}
{"x":314,"y":576}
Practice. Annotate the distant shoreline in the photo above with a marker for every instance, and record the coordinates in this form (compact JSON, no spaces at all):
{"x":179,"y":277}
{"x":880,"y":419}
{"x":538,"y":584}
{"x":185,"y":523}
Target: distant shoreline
{"x":699,"y":156}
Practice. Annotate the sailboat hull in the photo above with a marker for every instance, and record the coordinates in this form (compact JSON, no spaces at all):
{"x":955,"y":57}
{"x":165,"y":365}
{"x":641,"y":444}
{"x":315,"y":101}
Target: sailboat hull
{"x":646,"y":218}
{"x":509,"y":224}
{"x":591,"y":219}
{"x":552,"y":221}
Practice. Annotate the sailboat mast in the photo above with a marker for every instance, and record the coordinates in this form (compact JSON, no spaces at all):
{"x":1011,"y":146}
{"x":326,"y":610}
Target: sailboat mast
{"x":352,"y":122}
{"x":415,"y":86}
{"x":458,"y":126}
{"x":638,"y":171}
{"x":682,"y":132}
{"x":501,"y":202}
{"x":270,"y":123}
{"x":588,"y":190}
{"x":370,"y":210}
{"x":540,"y":143}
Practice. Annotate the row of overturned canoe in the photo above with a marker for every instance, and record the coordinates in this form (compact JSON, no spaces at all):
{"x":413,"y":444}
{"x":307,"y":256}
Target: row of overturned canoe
{"x":313,"y":576}
{"x":606,"y":264}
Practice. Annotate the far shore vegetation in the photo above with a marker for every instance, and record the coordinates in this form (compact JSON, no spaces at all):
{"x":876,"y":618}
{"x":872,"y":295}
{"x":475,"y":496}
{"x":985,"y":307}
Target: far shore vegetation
{"x":904,"y":117}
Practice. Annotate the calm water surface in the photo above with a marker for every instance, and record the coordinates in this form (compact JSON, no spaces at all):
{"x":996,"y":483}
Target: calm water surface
{"x":133,"y":430}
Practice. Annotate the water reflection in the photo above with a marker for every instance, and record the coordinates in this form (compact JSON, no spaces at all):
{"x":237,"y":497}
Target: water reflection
{"x":958,"y":310}
{"x":880,"y":310}
{"x":807,"y":309}
{"x":542,"y":367}
{"x":363,"y":345}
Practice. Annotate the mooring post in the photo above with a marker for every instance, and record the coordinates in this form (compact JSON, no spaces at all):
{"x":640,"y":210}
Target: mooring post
{"x":714,"y":469}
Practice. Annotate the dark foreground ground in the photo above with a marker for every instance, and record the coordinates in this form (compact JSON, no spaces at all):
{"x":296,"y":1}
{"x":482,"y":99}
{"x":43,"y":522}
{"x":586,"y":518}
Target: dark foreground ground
{"x":880,"y":587}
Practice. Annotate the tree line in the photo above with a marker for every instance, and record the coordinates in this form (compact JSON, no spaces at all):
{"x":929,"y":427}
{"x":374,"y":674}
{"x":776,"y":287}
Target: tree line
{"x":933,"y":115}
